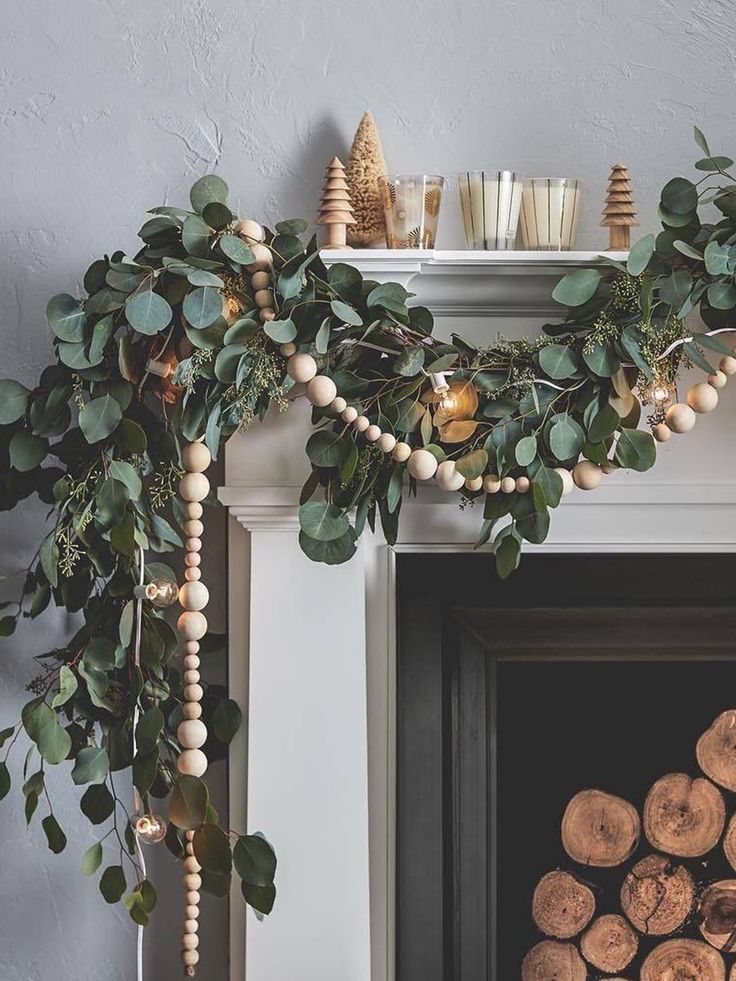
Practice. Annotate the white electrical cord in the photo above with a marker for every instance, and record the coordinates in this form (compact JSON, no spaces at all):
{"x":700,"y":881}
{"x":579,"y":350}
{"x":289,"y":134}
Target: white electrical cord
{"x":136,"y":796}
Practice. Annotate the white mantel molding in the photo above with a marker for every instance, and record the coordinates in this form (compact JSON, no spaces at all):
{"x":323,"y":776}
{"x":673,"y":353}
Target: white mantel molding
{"x":471,"y":284}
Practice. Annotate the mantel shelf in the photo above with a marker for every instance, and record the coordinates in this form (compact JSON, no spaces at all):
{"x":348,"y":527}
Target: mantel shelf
{"x":471,"y":284}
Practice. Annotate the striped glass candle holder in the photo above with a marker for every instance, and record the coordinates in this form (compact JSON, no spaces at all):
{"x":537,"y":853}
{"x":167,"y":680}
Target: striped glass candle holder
{"x":490,"y":202}
{"x":549,"y":213}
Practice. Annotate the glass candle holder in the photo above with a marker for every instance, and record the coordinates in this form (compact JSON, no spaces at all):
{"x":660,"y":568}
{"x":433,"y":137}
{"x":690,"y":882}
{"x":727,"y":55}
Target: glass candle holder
{"x":549,"y":213}
{"x":490,"y":201}
{"x":411,"y":207}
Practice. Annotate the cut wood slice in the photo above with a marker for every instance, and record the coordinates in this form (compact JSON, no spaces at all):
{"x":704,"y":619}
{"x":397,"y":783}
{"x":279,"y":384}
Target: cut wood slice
{"x":552,"y":961}
{"x":683,"y":960}
{"x":729,"y":843}
{"x":717,"y":913}
{"x":562,"y":905}
{"x":684,"y":816}
{"x":716,"y":751}
{"x":657,"y":895}
{"x":609,"y":943}
{"x":599,"y":829}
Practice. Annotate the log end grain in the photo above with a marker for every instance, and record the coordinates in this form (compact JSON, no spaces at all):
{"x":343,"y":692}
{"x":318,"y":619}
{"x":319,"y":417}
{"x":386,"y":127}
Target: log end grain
{"x":553,"y":961}
{"x":562,"y":906}
{"x":716,"y":750}
{"x":717,"y":915}
{"x":657,"y":895}
{"x":684,"y":816}
{"x":682,"y":959}
{"x":599,"y":829}
{"x":609,"y":943}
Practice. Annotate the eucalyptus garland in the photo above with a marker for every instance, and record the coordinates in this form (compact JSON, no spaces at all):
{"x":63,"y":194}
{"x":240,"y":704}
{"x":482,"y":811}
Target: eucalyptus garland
{"x":214,"y":322}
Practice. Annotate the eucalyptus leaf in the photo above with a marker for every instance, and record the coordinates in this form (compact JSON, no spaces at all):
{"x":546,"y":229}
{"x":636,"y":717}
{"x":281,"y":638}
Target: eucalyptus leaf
{"x":66,"y":318}
{"x":635,"y":450}
{"x":322,"y":521}
{"x":55,"y":837}
{"x":577,"y":287}
{"x":188,"y":803}
{"x":280,"y":331}
{"x":212,"y":849}
{"x":202,"y":307}
{"x":558,"y":361}
{"x":113,"y":884}
{"x":235,"y":248}
{"x":13,"y":401}
{"x":90,"y":766}
{"x":640,"y":254}
{"x":206,"y":190}
{"x":148,"y":312}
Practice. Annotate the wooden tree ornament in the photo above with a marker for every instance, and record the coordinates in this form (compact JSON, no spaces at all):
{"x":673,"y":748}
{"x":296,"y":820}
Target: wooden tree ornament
{"x":366,"y":164}
{"x":336,"y":211}
{"x":618,"y":214}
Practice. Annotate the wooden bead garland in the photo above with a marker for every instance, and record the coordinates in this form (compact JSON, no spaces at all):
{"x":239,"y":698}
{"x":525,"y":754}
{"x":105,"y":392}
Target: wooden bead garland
{"x":422,"y":465}
{"x":587,"y":475}
{"x":447,"y":476}
{"x":680,"y":418}
{"x":321,"y":390}
{"x":301,"y":368}
{"x":192,"y":626}
{"x":702,"y":398}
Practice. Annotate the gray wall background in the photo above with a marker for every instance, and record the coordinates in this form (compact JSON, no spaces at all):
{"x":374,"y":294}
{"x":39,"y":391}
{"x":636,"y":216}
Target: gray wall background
{"x":109,"y":107}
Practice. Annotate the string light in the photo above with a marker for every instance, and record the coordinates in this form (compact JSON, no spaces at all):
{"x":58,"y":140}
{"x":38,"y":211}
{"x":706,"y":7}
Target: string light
{"x":161,"y":592}
{"x":659,"y":392}
{"x":150,"y":828}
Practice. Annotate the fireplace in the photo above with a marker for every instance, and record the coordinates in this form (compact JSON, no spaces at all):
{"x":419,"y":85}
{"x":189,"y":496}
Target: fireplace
{"x":580,"y":673}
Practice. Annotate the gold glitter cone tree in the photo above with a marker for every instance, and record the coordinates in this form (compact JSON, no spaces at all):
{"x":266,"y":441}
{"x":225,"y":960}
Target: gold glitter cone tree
{"x":365,"y":165}
{"x":336,"y":211}
{"x":618,"y":214}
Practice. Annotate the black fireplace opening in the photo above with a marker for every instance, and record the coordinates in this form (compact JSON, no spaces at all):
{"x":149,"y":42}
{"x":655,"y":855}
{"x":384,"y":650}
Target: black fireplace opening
{"x":579,"y":672}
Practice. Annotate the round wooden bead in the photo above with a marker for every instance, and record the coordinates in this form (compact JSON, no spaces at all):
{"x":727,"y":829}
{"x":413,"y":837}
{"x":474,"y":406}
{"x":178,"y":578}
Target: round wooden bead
{"x":192,"y":575}
{"x":194,"y":596}
{"x":321,"y":390}
{"x":250,"y":230}
{"x":361,"y":423}
{"x":447,"y":476}
{"x":474,"y":483}
{"x":193,"y":693}
{"x":194,"y":486}
{"x":338,"y":405}
{"x":192,"y":625}
{"x":191,"y":647}
{"x":702,"y":398}
{"x":192,"y":763}
{"x":193,"y":544}
{"x":193,"y":510}
{"x":190,"y":941}
{"x":349,"y":414}
{"x":422,"y":465}
{"x":288,"y":349}
{"x":718,"y":380}
{"x":728,"y":365}
{"x":192,"y":734}
{"x":190,"y":957}
{"x":680,"y":418}
{"x":196,"y":458}
{"x":262,"y":258}
{"x":191,"y":864}
{"x":193,"y":897}
{"x":372,"y":433}
{"x":193,"y":528}
{"x":191,"y":662}
{"x":260,"y":280}
{"x":191,"y":926}
{"x":522,"y":484}
{"x":264,"y":298}
{"x":191,"y":710}
{"x":191,"y":677}
{"x":266,"y":315}
{"x":301,"y":368}
{"x":192,"y":881}
{"x":491,"y":483}
{"x":401,"y":452}
{"x":191,"y":912}
{"x":662,"y":432}
{"x":508,"y":485}
{"x":386,"y":442}
{"x":587,"y":475}
{"x":192,"y":560}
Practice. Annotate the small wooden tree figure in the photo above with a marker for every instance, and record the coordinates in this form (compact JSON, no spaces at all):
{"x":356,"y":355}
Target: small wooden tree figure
{"x":619,"y":215}
{"x":366,"y":164}
{"x":335,"y":211}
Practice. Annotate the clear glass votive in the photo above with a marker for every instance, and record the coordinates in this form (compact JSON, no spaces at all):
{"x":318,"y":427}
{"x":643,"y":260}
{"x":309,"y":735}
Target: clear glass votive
{"x":549,"y":213}
{"x":411,"y":206}
{"x":490,"y":201}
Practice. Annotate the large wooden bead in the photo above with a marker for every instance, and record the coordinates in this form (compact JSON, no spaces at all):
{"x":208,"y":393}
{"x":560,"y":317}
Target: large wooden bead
{"x":372,"y":433}
{"x":447,"y":476}
{"x":587,"y":475}
{"x":262,"y":258}
{"x":194,"y":487}
{"x":196,"y":457}
{"x":191,"y":925}
{"x":191,"y":710}
{"x":260,"y":280}
{"x":321,"y":390}
{"x":422,"y":465}
{"x":190,"y":941}
{"x":718,"y":380}
{"x":193,"y":528}
{"x":192,"y":647}
{"x":250,"y":230}
{"x":191,"y":864}
{"x":508,"y":485}
{"x":192,"y":560}
{"x":680,"y":418}
{"x":191,"y":662}
{"x":192,"y":881}
{"x":193,"y":693}
{"x":263,"y":298}
{"x":702,"y":398}
{"x":361,"y":423}
{"x":349,"y":414}
{"x":301,"y":368}
{"x":191,"y":912}
{"x":193,"y":897}
{"x":191,"y":677}
{"x":192,"y":625}
{"x":401,"y":452}
{"x":193,"y":544}
{"x":728,"y":365}
{"x":190,"y":957}
{"x":386,"y":442}
{"x":491,"y":483}
{"x":194,"y":596}
{"x":192,"y":763}
{"x":567,"y":482}
{"x":522,"y":485}
{"x":662,"y":432}
{"x":192,"y":734}
{"x":193,"y":510}
{"x":338,"y":405}
{"x":474,"y":483}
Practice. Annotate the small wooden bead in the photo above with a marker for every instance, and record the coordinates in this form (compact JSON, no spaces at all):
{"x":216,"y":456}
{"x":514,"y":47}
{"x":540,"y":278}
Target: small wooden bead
{"x":264,"y":298}
{"x":338,"y":405}
{"x":718,"y":380}
{"x":191,"y":925}
{"x":190,"y":957}
{"x":702,"y":398}
{"x":350,"y":414}
{"x":191,"y":912}
{"x":192,"y":559}
{"x":260,"y":280}
{"x":422,"y":465}
{"x":250,"y":230}
{"x":194,"y":596}
{"x":192,"y":881}
{"x":196,"y":458}
{"x":193,"y":763}
{"x":192,"y":647}
{"x":680,"y":418}
{"x":192,"y":575}
{"x":193,"y":510}
{"x":372,"y":433}
{"x":193,"y":693}
{"x":193,"y":544}
{"x":401,"y":452}
{"x":191,"y":864}
{"x":190,"y":941}
{"x":191,"y":662}
{"x":262,"y":258}
{"x":491,"y":483}
{"x":189,"y":847}
{"x":193,"y":528}
{"x":193,"y":897}
{"x":192,"y":625}
{"x":728,"y":365}
{"x":386,"y":442}
{"x":473,"y":483}
{"x":191,"y":710}
{"x":662,"y":432}
{"x":587,"y":475}
{"x":447,"y":476}
{"x":301,"y":368}
{"x":191,"y":735}
{"x":191,"y":677}
{"x":508,"y":485}
{"x":266,"y":315}
{"x":361,"y":423}
{"x":194,"y":486}
{"x":321,"y":390}
{"x":288,"y":349}
{"x":522,"y":485}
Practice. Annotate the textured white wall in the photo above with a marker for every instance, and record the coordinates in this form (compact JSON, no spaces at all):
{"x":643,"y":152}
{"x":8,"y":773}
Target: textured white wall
{"x":109,"y":107}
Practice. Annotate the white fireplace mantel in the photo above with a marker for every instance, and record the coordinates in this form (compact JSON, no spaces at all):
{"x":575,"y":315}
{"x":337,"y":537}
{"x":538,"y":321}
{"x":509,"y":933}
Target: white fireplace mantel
{"x":312,"y":647}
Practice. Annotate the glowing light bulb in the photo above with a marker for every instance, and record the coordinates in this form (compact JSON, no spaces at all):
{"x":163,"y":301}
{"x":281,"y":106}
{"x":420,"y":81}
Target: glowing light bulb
{"x":161,"y":592}
{"x":150,"y":828}
{"x":449,"y":402}
{"x":659,"y":393}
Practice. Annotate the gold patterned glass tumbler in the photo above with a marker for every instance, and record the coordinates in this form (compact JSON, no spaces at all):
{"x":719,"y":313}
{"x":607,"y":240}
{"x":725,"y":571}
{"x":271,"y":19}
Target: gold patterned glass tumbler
{"x":490,"y":201}
{"x":549,"y":213}
{"x":411,"y":206}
